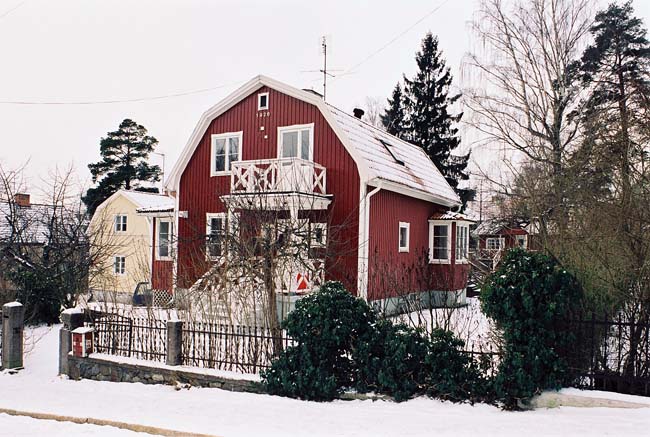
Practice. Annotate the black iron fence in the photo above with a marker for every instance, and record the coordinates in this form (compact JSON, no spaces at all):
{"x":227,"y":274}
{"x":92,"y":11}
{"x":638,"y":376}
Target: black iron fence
{"x":142,"y":338}
{"x":612,"y":354}
{"x":244,"y":349}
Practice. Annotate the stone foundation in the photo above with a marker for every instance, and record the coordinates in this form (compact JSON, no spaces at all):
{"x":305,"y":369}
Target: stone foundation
{"x":103,"y":368}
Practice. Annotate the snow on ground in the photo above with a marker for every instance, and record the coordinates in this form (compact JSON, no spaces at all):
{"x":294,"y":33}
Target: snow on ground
{"x":37,"y":388}
{"x":12,"y":426}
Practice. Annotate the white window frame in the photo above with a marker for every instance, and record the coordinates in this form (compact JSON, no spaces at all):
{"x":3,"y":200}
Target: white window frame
{"x":501,"y":241}
{"x":123,"y":223}
{"x":297,"y":127}
{"x":208,"y":231}
{"x":462,"y":259}
{"x":407,"y":226}
{"x":524,"y":238}
{"x":259,"y":101}
{"x":169,"y":239}
{"x":323,"y":227}
{"x":123,"y":272}
{"x":432,"y":224}
{"x":226,"y":135}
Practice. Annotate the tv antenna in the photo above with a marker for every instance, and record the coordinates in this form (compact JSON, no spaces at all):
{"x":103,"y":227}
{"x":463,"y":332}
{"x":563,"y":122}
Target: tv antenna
{"x":324,"y":42}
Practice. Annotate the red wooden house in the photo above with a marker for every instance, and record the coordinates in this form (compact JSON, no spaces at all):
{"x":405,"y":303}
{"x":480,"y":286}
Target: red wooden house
{"x":397,"y":233}
{"x":500,"y":234}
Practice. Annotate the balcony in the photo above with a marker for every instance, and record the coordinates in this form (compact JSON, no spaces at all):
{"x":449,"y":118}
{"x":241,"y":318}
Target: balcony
{"x":285,"y":183}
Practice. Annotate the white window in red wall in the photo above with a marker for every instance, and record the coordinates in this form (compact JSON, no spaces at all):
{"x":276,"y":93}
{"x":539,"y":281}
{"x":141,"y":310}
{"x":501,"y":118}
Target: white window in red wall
{"x":225,"y":149}
{"x":462,"y":243}
{"x":439,"y":242}
{"x":494,"y":243}
{"x":404,"y":236}
{"x":164,"y":239}
{"x":262,"y":101}
{"x":215,"y":233}
{"x":296,"y":142}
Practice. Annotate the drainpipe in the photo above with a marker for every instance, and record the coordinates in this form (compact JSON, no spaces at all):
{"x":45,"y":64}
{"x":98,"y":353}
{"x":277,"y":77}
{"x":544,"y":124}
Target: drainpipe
{"x":363,"y":275}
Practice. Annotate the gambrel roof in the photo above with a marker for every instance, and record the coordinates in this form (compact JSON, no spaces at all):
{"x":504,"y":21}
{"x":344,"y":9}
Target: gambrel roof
{"x":381,"y":159}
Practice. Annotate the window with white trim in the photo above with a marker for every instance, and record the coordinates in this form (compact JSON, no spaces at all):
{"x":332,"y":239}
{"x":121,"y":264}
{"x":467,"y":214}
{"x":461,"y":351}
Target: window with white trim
{"x":164,"y":240}
{"x":522,"y":241}
{"x":120,"y":223}
{"x":296,"y":142}
{"x":439,"y":242}
{"x":462,"y":243}
{"x":318,"y":234}
{"x":404,"y":235}
{"x":215,"y":234}
{"x":226,"y":149}
{"x":494,"y":243}
{"x":262,"y":101}
{"x":119,"y":265}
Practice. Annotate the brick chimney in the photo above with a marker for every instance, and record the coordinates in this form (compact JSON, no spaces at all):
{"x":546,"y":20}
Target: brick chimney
{"x":22,"y":199}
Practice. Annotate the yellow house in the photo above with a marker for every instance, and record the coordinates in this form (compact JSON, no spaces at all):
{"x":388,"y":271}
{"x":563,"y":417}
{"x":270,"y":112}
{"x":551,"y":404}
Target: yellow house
{"x":121,"y":241}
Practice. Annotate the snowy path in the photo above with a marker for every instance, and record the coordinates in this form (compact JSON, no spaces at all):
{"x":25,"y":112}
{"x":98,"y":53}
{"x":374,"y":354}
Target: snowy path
{"x":213,"y":411}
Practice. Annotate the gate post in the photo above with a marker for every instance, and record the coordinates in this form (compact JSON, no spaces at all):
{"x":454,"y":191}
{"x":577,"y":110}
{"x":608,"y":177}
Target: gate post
{"x":174,"y":342}
{"x":72,"y":319}
{"x":13,"y":317}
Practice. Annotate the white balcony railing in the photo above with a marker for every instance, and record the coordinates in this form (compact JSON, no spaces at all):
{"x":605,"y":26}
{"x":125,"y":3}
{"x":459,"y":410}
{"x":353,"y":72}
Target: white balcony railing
{"x":278,"y":176}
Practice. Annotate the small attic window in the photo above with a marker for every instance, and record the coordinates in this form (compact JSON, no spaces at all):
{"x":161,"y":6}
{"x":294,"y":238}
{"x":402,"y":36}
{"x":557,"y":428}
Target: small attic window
{"x":262,"y":101}
{"x":390,"y":148}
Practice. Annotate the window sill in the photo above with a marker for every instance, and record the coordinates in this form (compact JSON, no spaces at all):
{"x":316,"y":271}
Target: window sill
{"x":439,"y":261}
{"x":403,"y":250}
{"x":221,"y":173}
{"x":163,"y":258}
{"x":462,"y":261}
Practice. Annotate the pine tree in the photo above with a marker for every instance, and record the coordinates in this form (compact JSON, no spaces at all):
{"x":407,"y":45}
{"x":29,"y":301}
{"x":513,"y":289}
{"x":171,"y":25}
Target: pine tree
{"x":123,"y":165}
{"x":394,"y":117}
{"x":428,"y":121}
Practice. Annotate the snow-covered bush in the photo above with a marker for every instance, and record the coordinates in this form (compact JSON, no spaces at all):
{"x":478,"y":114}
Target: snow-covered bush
{"x":530,"y":298}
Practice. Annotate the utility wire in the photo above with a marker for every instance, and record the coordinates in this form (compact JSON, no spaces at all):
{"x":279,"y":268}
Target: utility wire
{"x":10,"y":10}
{"x":389,"y":43}
{"x":109,"y":102}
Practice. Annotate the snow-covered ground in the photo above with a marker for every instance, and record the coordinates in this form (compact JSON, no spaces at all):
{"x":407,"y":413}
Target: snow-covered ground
{"x":13,"y":426}
{"x":37,"y":388}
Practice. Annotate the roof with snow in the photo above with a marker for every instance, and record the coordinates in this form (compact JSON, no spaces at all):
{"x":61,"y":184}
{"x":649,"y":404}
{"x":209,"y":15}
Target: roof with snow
{"x":495,"y":226}
{"x":143,"y":201}
{"x":451,"y":215}
{"x":382,"y":159}
{"x":30,"y":224}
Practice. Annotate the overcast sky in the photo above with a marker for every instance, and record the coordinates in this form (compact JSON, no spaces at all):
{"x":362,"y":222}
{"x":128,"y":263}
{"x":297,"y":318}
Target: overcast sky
{"x":90,"y":50}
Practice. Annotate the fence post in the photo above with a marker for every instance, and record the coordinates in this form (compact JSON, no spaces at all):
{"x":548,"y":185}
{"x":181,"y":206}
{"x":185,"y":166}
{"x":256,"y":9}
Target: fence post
{"x":174,"y":342}
{"x":72,"y":319}
{"x":13,"y":317}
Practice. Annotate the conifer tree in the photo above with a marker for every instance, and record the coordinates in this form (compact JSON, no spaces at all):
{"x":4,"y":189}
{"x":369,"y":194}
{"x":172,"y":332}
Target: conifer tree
{"x":124,"y":164}
{"x":394,"y":117}
{"x":420,"y":114}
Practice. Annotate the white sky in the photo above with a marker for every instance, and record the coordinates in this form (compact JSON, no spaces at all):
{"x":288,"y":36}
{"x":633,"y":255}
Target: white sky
{"x":89,"y":50}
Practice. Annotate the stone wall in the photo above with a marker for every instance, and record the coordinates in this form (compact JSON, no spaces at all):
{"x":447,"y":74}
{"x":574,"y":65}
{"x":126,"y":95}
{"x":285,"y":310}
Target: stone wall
{"x":103,"y":369}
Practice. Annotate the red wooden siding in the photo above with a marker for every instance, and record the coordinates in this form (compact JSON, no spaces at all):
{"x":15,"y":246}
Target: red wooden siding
{"x":393,"y":273}
{"x":199,"y":193}
{"x":162,"y":271}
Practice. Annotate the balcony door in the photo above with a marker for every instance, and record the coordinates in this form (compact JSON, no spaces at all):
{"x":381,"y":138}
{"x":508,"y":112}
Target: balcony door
{"x":296,"y":142}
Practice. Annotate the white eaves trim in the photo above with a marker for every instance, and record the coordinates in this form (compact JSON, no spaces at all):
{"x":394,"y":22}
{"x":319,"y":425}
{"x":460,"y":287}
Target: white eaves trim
{"x":412,"y":192}
{"x":235,"y":97}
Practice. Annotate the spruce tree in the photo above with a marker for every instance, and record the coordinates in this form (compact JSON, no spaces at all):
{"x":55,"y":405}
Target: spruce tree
{"x":394,"y":117}
{"x":427,"y":121}
{"x":124,"y":164}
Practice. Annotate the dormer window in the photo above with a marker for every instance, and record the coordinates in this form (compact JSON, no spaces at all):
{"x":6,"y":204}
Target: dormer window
{"x":262,"y":101}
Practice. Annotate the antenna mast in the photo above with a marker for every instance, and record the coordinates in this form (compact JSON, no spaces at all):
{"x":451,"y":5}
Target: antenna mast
{"x":324,"y":70}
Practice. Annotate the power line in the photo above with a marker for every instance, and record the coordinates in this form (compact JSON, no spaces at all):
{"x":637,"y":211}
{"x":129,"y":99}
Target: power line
{"x":10,"y":10}
{"x":389,"y":43}
{"x":113,"y":101}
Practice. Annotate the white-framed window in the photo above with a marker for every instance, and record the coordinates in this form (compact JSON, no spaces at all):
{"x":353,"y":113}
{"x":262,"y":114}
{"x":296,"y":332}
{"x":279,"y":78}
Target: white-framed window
{"x":318,"y":234}
{"x":296,"y":141}
{"x":494,"y":243}
{"x":462,"y":243}
{"x":439,"y":242}
{"x":120,"y":223}
{"x":522,"y":241}
{"x":262,"y":101}
{"x":403,"y":236}
{"x":225,"y":149}
{"x":164,"y":239}
{"x":119,"y":265}
{"x":214,"y":234}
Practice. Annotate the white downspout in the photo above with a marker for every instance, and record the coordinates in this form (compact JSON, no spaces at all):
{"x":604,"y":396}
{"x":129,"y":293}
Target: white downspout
{"x":365,"y":249}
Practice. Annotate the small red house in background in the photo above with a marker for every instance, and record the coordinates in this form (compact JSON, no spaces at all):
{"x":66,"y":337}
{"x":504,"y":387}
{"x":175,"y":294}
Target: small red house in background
{"x":498,"y":234}
{"x":397,"y":235}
